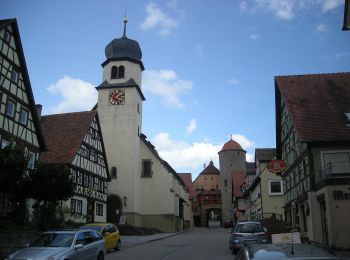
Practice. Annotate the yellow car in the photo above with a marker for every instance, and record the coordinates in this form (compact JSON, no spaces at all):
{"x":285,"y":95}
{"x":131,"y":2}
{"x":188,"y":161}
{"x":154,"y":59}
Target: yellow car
{"x":109,"y":232}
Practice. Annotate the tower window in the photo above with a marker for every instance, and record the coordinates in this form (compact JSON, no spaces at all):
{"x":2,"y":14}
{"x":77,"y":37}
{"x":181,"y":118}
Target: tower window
{"x":121,"y":72}
{"x":114,"y":172}
{"x":114,"y":72}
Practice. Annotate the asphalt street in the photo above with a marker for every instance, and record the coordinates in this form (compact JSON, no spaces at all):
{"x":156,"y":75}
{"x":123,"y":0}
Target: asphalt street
{"x":199,"y":243}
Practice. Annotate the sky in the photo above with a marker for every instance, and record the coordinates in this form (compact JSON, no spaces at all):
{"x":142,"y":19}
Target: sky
{"x":209,"y":64}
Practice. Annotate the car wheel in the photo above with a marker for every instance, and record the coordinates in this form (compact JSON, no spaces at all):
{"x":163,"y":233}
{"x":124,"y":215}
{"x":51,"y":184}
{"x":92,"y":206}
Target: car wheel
{"x":118,"y":245}
{"x":100,"y":256}
{"x":234,"y":251}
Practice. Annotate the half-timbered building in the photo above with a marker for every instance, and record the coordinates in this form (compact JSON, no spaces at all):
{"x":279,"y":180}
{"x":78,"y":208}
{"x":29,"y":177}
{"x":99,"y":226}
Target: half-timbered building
{"x":75,"y":140}
{"x":18,"y":118}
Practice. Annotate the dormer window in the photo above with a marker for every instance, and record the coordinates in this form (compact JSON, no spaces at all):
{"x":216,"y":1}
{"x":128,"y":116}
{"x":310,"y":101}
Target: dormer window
{"x":117,"y":72}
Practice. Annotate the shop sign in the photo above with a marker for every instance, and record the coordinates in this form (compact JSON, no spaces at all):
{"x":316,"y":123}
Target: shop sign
{"x":276,"y":166}
{"x":341,"y":195}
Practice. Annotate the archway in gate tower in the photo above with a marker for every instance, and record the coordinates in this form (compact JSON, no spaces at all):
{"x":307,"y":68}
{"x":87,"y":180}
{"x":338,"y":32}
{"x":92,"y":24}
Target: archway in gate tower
{"x":114,"y":208}
{"x":213,"y":217}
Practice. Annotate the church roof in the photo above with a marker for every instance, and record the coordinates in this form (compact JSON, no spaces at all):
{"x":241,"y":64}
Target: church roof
{"x":124,"y":49}
{"x":231,"y":145}
{"x":63,"y":134}
{"x":210,"y":169}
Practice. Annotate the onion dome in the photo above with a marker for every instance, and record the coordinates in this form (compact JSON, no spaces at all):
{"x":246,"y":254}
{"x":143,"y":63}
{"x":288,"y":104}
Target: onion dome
{"x":231,"y":145}
{"x":123,"y":48}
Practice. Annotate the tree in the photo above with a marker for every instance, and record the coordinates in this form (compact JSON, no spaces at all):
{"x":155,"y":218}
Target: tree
{"x":48,"y":185}
{"x":13,"y":164}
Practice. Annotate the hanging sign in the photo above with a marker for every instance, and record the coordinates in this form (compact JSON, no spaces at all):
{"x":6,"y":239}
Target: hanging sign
{"x":276,"y":166}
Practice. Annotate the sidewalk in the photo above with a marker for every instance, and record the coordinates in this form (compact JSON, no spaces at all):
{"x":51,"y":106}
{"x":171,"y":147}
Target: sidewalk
{"x":128,"y":241}
{"x":343,"y":254}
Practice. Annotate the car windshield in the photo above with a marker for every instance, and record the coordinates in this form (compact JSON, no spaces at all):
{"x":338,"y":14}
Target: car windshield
{"x":53,"y":240}
{"x":249,"y":228}
{"x":96,"y":228}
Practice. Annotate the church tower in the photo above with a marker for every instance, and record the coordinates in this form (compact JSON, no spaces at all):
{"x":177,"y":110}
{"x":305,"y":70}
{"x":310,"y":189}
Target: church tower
{"x":232,"y":159}
{"x":120,"y":111}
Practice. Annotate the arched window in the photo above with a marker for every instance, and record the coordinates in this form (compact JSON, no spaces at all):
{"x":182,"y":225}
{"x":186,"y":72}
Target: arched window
{"x":114,"y":72}
{"x":121,"y":72}
{"x":114,"y":172}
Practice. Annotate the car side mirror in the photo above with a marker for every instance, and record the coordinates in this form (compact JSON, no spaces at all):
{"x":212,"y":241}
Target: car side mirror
{"x":78,"y":246}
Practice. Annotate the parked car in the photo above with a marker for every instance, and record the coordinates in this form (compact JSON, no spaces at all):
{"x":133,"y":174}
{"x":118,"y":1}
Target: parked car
{"x":247,"y":232}
{"x":109,"y":232}
{"x":284,"y":251}
{"x":62,"y":245}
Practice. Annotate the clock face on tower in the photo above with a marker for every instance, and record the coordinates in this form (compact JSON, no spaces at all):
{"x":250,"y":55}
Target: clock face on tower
{"x":117,"y":97}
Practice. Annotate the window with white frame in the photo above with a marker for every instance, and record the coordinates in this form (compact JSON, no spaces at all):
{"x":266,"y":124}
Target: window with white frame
{"x":23,"y":116}
{"x":99,"y":209}
{"x":31,"y":160}
{"x":10,"y":108}
{"x":275,"y":187}
{"x":76,"y":206}
{"x":337,"y":162}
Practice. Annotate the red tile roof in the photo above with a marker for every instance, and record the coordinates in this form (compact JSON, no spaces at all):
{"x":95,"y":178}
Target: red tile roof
{"x":238,"y":178}
{"x":63,"y":134}
{"x":231,"y":145}
{"x":210,"y":169}
{"x":317,"y":104}
{"x":187,"y":179}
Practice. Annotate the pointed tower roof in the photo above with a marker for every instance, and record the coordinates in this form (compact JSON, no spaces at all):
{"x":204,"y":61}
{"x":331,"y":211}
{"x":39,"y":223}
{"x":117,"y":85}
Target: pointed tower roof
{"x":123,"y":48}
{"x":231,"y":145}
{"x":210,"y":169}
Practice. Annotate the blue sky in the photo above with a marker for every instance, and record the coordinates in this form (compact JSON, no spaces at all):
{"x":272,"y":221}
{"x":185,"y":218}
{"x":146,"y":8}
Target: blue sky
{"x":209,"y":65}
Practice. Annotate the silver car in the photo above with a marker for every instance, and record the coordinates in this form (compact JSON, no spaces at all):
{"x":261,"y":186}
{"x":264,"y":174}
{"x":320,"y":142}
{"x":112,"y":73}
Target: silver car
{"x":64,"y":245}
{"x":247,"y":232}
{"x":286,"y":251}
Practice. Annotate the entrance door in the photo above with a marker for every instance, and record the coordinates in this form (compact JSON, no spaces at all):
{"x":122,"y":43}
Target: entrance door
{"x":114,"y":209}
{"x":90,"y":211}
{"x":324,"y":221}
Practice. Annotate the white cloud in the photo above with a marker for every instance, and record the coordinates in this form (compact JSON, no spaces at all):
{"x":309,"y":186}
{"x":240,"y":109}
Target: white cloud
{"x":77,"y":95}
{"x":321,"y":28}
{"x":233,"y":81}
{"x":254,"y":36}
{"x":331,"y":4}
{"x":166,"y":85}
{"x":191,"y":156}
{"x":191,"y":127}
{"x":243,"y":141}
{"x":157,"y":19}
{"x":180,"y":154}
{"x":281,"y":8}
{"x":288,"y":9}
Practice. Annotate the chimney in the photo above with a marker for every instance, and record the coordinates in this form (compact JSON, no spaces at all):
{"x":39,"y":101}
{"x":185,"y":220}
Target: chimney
{"x":38,"y":110}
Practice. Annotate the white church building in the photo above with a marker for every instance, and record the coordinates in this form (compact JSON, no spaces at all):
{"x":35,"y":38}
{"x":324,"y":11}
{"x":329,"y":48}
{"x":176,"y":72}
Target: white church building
{"x":145,"y":190}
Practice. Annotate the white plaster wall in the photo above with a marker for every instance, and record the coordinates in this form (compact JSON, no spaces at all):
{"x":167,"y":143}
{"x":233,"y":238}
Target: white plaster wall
{"x":132,"y":70}
{"x":157,"y":197}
